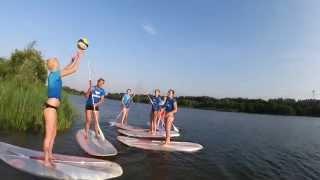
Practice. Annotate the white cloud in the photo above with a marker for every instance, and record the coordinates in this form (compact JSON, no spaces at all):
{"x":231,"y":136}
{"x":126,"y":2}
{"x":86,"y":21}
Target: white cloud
{"x":148,"y":28}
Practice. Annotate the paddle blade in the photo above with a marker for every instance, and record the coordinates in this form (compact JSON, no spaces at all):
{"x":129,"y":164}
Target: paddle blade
{"x":112,"y":123}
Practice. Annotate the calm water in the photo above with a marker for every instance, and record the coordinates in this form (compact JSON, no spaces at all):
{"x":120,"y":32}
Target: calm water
{"x":237,"y":146}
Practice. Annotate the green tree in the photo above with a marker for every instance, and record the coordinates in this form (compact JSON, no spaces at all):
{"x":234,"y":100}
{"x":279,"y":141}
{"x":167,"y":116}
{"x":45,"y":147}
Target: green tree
{"x":27,"y":65}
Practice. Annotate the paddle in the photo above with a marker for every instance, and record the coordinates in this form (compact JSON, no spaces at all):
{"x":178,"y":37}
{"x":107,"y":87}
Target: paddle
{"x":113,"y":123}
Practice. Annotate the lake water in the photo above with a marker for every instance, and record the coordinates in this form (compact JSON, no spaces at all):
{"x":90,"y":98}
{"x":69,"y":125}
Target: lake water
{"x":237,"y":146}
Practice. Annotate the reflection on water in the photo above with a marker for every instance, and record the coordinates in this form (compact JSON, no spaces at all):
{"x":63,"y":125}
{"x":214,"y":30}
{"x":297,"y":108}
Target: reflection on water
{"x":236,"y":146}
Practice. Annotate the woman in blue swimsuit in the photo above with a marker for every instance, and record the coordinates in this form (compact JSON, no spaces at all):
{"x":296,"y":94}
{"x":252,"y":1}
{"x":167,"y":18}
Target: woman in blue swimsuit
{"x":126,"y":102}
{"x":155,"y":110}
{"x":53,"y":102}
{"x":171,"y":108}
{"x":95,"y":97}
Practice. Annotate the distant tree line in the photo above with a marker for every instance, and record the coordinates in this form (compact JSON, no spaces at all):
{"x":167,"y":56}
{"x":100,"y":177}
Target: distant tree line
{"x":73,"y":91}
{"x":279,"y":106}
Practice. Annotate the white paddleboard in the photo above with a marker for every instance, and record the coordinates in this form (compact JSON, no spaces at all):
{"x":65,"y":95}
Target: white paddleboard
{"x":66,"y":167}
{"x":147,"y":134}
{"x":95,"y":146}
{"x":128,"y":127}
{"x":148,"y":144}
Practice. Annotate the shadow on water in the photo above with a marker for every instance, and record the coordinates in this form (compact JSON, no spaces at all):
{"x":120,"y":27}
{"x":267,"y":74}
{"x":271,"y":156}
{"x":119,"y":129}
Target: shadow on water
{"x":237,"y":146}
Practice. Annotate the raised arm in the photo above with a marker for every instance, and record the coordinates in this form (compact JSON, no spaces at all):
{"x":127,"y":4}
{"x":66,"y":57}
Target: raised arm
{"x":74,"y":64}
{"x":150,"y":99}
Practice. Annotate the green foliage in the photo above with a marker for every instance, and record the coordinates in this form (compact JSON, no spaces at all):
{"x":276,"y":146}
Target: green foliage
{"x":21,"y":107}
{"x":27,"y":65}
{"x":23,"y":92}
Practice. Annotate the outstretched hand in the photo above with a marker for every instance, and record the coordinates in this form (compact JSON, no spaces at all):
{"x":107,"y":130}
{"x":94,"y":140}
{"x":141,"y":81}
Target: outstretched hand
{"x":79,"y":54}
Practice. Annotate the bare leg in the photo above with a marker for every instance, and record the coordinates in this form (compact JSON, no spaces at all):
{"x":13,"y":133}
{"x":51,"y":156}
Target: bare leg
{"x":154,"y":122}
{"x":124,"y":112}
{"x":88,"y":122}
{"x":126,"y":117}
{"x":151,"y":121}
{"x":50,"y":117}
{"x":169,"y":121}
{"x":54,"y":134}
{"x":158,"y":121}
{"x":96,"y":122}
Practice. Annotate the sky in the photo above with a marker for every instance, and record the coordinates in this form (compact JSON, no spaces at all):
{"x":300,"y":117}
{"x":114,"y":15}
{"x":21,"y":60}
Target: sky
{"x":219,"y":48}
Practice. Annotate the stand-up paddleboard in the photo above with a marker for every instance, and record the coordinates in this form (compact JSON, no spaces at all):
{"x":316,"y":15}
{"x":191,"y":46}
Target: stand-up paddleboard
{"x":127,"y":127}
{"x":95,"y":146}
{"x":66,"y":167}
{"x":147,"y":134}
{"x":148,"y":144}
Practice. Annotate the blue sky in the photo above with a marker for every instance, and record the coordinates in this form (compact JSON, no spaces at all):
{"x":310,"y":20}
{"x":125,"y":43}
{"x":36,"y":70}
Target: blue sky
{"x":220,"y":48}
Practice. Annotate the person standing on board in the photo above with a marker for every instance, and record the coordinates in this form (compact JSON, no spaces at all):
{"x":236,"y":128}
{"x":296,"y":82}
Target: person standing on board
{"x":54,"y":97}
{"x":126,"y":102}
{"x":95,"y":97}
{"x":171,"y":108}
{"x":162,"y":113}
{"x":155,"y":111}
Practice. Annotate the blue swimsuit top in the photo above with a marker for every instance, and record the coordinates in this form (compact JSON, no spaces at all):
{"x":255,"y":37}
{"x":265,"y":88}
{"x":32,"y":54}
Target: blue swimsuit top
{"x":156,"y":101}
{"x":95,"y":95}
{"x":169,"y":104}
{"x":54,"y":85}
{"x":127,"y":100}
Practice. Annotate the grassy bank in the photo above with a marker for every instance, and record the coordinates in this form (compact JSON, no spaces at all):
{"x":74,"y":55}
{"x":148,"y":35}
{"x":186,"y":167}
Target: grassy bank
{"x":21,"y":107}
{"x":23,"y":92}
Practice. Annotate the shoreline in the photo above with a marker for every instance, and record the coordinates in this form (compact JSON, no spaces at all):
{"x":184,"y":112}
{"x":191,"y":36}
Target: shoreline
{"x":312,"y":104}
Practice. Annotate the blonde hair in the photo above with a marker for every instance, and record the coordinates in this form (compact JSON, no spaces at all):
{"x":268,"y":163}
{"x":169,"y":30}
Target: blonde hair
{"x":52,"y":64}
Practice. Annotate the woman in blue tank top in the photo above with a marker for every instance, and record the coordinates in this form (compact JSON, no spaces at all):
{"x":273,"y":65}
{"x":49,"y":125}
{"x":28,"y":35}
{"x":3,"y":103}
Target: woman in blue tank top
{"x":52,"y":104}
{"x":155,"y":110}
{"x":95,"y":97}
{"x":171,"y":108}
{"x":126,"y":102}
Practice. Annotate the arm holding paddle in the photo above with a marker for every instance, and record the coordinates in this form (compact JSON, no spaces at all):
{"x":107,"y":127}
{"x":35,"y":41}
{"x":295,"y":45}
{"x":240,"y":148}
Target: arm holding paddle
{"x":88,"y":93}
{"x":149,"y":97}
{"x":100,"y":102}
{"x":122,"y":101}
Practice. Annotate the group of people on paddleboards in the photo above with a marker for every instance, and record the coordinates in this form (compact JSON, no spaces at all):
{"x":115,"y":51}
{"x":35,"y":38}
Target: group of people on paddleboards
{"x":162,"y":109}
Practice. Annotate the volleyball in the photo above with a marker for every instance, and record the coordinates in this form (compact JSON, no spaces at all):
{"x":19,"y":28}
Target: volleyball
{"x":83,"y":43}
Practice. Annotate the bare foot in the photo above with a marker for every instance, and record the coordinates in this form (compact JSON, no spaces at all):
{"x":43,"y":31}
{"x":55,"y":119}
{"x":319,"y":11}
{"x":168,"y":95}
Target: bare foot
{"x":98,"y":135}
{"x":51,"y":158}
{"x":48,"y":164}
{"x":52,"y":163}
{"x":166,"y":143}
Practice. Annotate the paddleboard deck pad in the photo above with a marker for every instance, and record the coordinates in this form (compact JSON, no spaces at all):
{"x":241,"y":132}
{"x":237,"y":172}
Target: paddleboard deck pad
{"x":155,"y":145}
{"x":147,"y":134}
{"x":95,"y":146}
{"x":66,"y":167}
